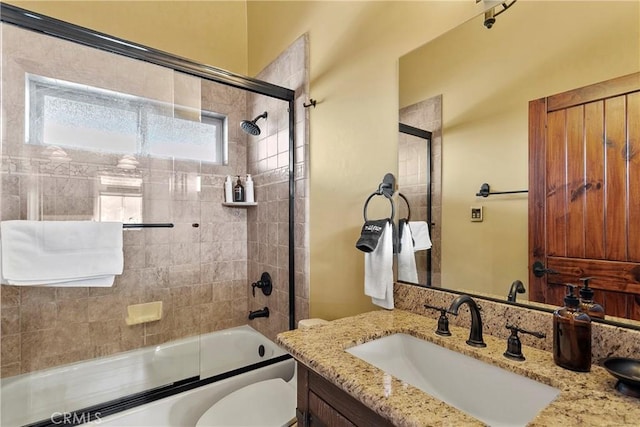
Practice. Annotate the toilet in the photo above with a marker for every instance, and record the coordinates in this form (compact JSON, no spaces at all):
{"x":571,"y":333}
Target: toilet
{"x":269,"y":403}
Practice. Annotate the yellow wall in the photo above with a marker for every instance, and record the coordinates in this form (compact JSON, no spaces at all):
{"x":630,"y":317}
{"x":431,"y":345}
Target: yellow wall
{"x":354,"y":51}
{"x":486,"y":78}
{"x":209,"y":32}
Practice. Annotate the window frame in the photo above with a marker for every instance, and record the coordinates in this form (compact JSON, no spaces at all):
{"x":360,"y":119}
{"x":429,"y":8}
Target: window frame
{"x":38,"y":87}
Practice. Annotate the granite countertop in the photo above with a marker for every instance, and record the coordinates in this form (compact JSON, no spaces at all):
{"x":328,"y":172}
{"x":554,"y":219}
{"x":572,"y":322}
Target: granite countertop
{"x":584,"y":399}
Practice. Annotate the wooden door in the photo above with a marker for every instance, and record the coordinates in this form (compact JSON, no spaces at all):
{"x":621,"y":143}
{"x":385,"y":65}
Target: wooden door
{"x":584,"y":194}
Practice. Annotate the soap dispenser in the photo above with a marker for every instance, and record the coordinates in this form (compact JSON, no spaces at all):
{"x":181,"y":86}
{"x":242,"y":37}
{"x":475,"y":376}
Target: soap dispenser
{"x":238,"y":191}
{"x":593,"y":309}
{"x":228,"y":192}
{"x":249,"y":195}
{"x":572,"y":335}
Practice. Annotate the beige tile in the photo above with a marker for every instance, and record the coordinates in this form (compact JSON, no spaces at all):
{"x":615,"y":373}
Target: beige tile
{"x":157,"y":255}
{"x":128,"y":283}
{"x":186,"y":318}
{"x":10,"y":296}
{"x":202,"y":294}
{"x":134,"y":257}
{"x":162,"y":326}
{"x":10,"y":349}
{"x":10,"y":320}
{"x":106,"y":307}
{"x":207,"y":313}
{"x":181,"y":296}
{"x":34,"y":317}
{"x":72,"y":310}
{"x":37,"y":294}
{"x":10,"y":370}
{"x":184,"y":275}
{"x":63,"y":293}
{"x":71,"y":337}
{"x":157,"y":277}
{"x":132,"y":336}
{"x":104,"y":332}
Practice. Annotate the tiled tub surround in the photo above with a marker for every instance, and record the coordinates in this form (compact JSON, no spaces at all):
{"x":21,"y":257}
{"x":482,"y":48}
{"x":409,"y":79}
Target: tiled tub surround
{"x":200,"y":273}
{"x":268,"y":162}
{"x":585,"y":398}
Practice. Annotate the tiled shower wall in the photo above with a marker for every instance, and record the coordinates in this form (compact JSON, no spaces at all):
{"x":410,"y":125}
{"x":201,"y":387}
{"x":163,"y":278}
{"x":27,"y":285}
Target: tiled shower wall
{"x":199,"y":273}
{"x":268,"y":161}
{"x":413,"y":181}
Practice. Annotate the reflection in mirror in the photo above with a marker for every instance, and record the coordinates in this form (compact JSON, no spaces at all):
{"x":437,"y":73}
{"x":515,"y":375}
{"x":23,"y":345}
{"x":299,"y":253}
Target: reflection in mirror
{"x":419,"y":180}
{"x":414,"y":157}
{"x":486,"y":80}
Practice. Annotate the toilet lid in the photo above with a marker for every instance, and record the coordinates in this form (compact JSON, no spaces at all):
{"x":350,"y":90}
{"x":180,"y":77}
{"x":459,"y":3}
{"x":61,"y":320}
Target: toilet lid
{"x":270,"y":403}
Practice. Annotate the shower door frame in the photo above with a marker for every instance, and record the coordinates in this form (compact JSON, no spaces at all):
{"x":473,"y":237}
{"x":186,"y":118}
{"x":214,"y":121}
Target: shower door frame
{"x":64,"y":30}
{"x":43,"y":24}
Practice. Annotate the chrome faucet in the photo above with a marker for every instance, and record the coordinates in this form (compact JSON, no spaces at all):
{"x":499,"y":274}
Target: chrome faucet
{"x":475,"y":334}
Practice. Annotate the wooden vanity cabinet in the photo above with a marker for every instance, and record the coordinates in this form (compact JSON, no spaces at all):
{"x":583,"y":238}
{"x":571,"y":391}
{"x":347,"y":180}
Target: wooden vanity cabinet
{"x":321,"y":403}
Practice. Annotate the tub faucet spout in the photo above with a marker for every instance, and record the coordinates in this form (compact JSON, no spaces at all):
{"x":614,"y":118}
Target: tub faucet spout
{"x":264,"y":312}
{"x":475,"y":334}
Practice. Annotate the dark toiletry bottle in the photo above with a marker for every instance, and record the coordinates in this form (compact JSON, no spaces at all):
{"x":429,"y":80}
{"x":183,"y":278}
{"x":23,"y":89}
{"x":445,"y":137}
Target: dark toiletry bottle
{"x":238,"y":192}
{"x":572,"y":335}
{"x":593,"y":309}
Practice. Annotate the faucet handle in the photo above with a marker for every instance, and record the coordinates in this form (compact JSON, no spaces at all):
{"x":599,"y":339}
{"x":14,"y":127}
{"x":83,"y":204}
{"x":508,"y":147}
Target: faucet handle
{"x":514,"y":346}
{"x":443,"y":322}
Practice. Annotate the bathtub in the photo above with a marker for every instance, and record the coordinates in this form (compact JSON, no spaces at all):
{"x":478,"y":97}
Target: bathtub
{"x":58,"y":391}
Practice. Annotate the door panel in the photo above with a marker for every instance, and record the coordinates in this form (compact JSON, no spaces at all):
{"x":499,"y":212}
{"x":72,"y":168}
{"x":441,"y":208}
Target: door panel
{"x":615,"y":180}
{"x":584,"y":148}
{"x":594,"y":176}
{"x":575,"y":181}
{"x":633,"y":154}
{"x":556,"y":188}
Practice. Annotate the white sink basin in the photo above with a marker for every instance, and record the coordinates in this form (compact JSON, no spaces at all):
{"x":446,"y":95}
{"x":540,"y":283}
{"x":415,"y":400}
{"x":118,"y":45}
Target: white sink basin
{"x":493,"y":395}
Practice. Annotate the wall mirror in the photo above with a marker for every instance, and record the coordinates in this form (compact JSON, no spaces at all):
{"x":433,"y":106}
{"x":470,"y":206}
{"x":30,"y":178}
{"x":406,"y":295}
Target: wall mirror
{"x":485,"y":85}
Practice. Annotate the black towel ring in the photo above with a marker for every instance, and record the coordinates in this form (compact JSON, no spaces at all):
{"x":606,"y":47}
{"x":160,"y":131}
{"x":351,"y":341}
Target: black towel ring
{"x":393,"y":209}
{"x":408,"y":207}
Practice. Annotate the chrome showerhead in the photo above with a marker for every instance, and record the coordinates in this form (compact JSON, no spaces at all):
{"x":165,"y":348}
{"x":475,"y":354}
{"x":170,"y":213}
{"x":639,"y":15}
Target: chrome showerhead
{"x":251,"y":127}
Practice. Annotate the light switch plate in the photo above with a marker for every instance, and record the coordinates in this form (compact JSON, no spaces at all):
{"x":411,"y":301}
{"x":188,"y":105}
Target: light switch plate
{"x":476,"y":213}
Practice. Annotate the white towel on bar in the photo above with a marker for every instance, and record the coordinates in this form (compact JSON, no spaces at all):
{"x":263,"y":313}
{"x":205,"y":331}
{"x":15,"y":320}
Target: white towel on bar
{"x":61,"y":253}
{"x":378,"y":270}
{"x":407,"y":270}
{"x":420,"y":233}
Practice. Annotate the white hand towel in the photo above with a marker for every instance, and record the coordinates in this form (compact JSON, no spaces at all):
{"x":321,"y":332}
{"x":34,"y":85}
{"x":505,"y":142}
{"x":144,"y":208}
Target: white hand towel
{"x":378,"y":270}
{"x":61,"y":253}
{"x":420,"y":233}
{"x":407,"y":270}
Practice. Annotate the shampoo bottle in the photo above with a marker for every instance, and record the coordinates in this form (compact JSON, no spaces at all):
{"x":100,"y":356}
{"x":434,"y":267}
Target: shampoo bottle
{"x":228,"y":191}
{"x":249,"y":189}
{"x":572,"y":335}
{"x":238,"y":191}
{"x":593,"y":309}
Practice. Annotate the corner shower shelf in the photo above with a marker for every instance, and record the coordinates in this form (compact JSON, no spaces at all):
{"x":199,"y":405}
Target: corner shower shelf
{"x":240,"y":204}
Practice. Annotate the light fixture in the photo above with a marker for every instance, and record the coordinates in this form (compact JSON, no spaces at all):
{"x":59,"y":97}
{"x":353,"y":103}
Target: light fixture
{"x":490,"y":14}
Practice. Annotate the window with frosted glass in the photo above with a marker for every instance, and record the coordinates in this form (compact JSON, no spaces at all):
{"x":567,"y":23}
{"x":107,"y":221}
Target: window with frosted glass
{"x":77,"y":116}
